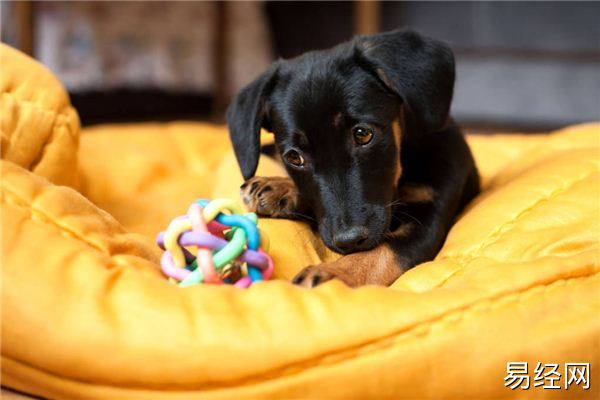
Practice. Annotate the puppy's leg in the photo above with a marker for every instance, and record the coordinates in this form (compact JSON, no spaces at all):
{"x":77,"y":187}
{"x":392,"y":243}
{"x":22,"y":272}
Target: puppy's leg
{"x":402,"y":249}
{"x":379,"y":266}
{"x":271,"y":197}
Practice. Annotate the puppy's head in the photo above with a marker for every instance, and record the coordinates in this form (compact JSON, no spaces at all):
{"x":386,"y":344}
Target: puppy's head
{"x":340,"y":117}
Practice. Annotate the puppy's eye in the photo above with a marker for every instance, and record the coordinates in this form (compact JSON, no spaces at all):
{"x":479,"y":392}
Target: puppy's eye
{"x":294,"y":158}
{"x":362,"y":135}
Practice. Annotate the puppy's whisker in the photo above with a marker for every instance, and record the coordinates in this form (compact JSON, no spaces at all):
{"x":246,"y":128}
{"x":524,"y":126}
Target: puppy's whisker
{"x":303,"y":216}
{"x":397,"y":219}
{"x":395,"y":203}
{"x":410,"y":216}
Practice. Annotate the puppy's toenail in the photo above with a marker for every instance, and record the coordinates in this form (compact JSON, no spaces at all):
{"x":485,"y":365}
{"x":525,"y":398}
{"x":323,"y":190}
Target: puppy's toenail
{"x":298,"y":278}
{"x":315,"y":280}
{"x":262,"y":203}
{"x":264,"y":190}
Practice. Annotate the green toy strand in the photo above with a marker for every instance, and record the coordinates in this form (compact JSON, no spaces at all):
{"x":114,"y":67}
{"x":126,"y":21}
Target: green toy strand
{"x":228,"y":253}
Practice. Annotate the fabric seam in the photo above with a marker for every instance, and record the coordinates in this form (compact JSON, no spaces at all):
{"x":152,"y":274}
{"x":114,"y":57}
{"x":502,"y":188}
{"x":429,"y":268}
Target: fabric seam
{"x":357,"y":350}
{"x":60,"y":227}
{"x":498,"y":233}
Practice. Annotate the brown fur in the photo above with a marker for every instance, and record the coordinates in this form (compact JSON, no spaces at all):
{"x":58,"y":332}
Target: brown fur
{"x":378,"y":266}
{"x":271,"y":196}
{"x":398,"y":140}
{"x":412,"y":193}
{"x":402,"y":231}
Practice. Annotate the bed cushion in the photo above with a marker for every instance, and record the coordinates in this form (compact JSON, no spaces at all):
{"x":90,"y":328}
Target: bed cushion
{"x":39,"y":127}
{"x":87,"y":314}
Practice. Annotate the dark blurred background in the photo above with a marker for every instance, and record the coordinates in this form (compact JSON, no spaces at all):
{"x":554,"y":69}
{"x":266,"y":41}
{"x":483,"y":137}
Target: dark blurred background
{"x":522,"y":66}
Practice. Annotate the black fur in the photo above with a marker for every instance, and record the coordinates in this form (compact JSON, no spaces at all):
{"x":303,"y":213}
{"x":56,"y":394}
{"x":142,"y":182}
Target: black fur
{"x":246,"y":115}
{"x":313,"y":102}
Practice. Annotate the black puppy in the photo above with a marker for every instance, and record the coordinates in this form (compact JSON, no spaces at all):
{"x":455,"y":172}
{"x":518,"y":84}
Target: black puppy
{"x":375,"y":160}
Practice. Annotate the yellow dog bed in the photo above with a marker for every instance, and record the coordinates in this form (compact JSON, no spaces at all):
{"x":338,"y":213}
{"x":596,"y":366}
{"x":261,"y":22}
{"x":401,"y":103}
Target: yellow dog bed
{"x":87,"y":314}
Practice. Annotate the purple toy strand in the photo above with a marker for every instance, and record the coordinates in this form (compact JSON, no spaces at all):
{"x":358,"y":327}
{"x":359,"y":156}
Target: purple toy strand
{"x":212,"y":242}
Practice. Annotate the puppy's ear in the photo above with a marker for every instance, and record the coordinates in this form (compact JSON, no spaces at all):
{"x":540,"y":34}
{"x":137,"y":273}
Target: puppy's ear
{"x":245,"y":116}
{"x":418,"y":69}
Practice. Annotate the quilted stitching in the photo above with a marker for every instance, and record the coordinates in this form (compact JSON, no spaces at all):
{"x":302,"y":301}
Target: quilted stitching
{"x":40,"y":129}
{"x":465,"y":258}
{"x":422,"y":329}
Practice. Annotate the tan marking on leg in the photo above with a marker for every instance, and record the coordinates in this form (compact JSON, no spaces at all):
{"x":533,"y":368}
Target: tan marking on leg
{"x":378,"y":266}
{"x":398,"y":141}
{"x":414,"y":193}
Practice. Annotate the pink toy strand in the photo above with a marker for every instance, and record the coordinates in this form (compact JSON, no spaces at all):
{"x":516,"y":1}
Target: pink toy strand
{"x":204,"y":257}
{"x":269,"y":271}
{"x":208,"y":238}
{"x":169,"y":268}
{"x":243,"y":283}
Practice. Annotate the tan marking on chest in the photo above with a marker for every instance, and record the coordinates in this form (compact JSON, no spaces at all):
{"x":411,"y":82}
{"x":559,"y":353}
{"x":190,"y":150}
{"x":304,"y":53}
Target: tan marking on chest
{"x":398,"y":141}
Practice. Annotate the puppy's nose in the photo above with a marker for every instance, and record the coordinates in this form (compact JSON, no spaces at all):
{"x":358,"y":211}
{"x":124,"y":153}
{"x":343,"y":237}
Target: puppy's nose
{"x":351,"y":239}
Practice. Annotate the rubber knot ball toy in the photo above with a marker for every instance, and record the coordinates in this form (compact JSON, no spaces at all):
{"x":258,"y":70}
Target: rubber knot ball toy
{"x":229,"y":246}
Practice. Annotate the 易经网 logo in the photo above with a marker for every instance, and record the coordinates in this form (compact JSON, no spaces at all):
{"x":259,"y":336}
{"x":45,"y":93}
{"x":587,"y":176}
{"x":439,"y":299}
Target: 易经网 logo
{"x":548,"y":376}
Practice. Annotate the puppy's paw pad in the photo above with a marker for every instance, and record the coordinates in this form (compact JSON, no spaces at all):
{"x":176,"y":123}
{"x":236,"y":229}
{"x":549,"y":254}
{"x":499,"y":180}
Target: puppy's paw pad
{"x":270,"y":196}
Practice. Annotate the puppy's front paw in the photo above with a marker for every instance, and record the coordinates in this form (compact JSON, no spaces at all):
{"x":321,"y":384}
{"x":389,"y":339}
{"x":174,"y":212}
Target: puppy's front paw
{"x":270,"y":196}
{"x":314,"y":275}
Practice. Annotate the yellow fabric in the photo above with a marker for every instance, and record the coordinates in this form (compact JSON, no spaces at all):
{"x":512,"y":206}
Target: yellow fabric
{"x":87,"y":314}
{"x":39,"y":128}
